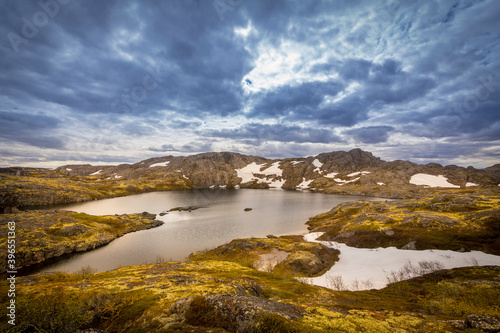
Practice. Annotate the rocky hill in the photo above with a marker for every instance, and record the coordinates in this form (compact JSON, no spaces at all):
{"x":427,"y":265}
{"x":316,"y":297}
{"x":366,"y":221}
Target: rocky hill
{"x":332,"y":169}
{"x":354,"y":172}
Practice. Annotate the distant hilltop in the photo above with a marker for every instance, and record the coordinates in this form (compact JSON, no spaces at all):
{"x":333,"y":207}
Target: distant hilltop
{"x":355,"y":172}
{"x":326,"y":170}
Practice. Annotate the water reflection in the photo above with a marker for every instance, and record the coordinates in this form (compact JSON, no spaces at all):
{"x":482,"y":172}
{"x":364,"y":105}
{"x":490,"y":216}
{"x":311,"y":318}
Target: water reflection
{"x":221,"y":219}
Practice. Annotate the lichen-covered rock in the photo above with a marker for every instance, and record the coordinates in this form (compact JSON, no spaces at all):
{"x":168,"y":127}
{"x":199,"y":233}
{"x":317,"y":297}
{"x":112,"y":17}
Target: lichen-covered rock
{"x":484,"y":323}
{"x":235,"y":312}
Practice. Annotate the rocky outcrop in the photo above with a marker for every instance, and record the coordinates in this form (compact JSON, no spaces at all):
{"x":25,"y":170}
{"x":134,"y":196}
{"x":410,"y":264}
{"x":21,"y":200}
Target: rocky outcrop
{"x":483,"y":322}
{"x":351,"y":161}
{"x":301,"y":258}
{"x":233,"y":312}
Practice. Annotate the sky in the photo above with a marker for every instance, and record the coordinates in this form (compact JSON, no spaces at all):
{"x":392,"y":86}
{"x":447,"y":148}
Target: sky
{"x":109,"y":82}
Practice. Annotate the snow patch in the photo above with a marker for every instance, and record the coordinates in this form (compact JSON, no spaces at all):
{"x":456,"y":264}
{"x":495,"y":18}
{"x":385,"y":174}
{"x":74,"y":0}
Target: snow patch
{"x":431,"y":181}
{"x":95,"y":173}
{"x":317,"y":164}
{"x":297,"y":162}
{"x":276,"y":184}
{"x":249,"y":172}
{"x":471,"y":184}
{"x":273,"y":170}
{"x":358,"y":173}
{"x":68,"y":169}
{"x":380,"y":184}
{"x":305,"y":184}
{"x":360,"y":264}
{"x":338,"y":180}
{"x":246,"y":173}
{"x":331,"y":175}
{"x":159,"y":164}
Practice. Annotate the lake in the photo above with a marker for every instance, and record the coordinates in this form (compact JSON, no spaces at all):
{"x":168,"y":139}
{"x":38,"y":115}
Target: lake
{"x":220,"y":219}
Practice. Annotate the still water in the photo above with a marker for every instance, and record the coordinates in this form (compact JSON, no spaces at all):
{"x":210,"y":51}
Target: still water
{"x":221,"y":219}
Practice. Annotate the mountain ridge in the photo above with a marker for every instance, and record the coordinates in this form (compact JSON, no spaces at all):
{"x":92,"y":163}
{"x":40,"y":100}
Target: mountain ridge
{"x":218,"y":169}
{"x":355,"y":172}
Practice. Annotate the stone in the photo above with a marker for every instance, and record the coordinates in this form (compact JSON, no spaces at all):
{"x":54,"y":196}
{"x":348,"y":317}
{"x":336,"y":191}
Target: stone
{"x":244,"y":310}
{"x":410,"y":246}
{"x":388,"y":232}
{"x":483,"y":322}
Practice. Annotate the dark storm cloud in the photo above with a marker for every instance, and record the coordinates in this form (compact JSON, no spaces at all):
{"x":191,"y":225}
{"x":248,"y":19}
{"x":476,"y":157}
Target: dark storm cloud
{"x":277,"y":132}
{"x":96,"y":57}
{"x":140,"y":69}
{"x":296,"y":102}
{"x":371,"y":134}
{"x":380,"y":85}
{"x":194,"y":147}
{"x":31,"y":129}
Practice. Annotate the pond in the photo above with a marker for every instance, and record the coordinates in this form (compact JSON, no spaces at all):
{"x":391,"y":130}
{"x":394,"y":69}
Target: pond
{"x":221,"y":218}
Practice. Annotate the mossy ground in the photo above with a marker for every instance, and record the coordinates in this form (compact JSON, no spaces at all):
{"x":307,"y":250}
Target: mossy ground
{"x":140,"y":299}
{"x":445,"y":221}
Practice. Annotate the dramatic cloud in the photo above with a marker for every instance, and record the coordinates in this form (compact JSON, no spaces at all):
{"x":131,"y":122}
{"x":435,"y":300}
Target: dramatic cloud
{"x":28,"y":128}
{"x":278,"y":132}
{"x":115,"y":81}
{"x":372,"y":134}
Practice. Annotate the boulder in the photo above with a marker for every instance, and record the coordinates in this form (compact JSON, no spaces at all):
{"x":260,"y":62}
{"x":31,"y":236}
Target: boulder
{"x":483,"y":322}
{"x":235,"y":312}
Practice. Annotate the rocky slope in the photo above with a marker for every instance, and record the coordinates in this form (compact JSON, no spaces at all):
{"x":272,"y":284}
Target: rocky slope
{"x":324,"y":170}
{"x":354,"y":172}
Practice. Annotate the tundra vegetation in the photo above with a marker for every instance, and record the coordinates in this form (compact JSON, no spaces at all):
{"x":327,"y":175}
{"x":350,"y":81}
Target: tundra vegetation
{"x":199,"y":295}
{"x":228,"y":289}
{"x":447,"y":221}
{"x":221,"y":290}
